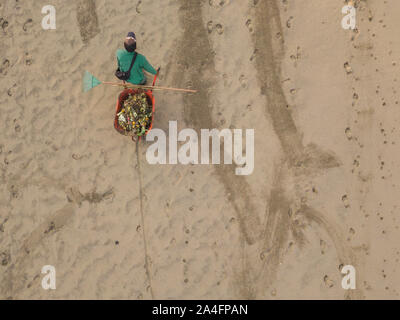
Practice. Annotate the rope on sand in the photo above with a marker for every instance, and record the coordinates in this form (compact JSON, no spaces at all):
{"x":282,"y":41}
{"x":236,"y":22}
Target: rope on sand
{"x":147,"y":264}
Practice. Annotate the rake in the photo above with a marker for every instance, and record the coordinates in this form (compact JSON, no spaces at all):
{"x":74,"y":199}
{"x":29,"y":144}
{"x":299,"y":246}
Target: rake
{"x":90,"y":82}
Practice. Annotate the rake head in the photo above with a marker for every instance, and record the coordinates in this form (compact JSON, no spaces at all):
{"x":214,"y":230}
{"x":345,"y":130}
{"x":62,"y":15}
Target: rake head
{"x":89,"y":81}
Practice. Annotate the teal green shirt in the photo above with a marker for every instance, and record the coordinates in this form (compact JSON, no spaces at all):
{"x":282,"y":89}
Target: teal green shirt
{"x":124,"y":61}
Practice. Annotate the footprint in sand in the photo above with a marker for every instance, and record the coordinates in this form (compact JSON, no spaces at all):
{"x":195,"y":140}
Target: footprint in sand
{"x":14,"y":192}
{"x":4,"y":67}
{"x":289,"y":22}
{"x":322,"y":244}
{"x":219,"y":28}
{"x":27,"y":25}
{"x":4,"y":24}
{"x":347,"y":67}
{"x":138,"y":10}
{"x":5,"y":258}
{"x":352,"y":232}
{"x":28,"y":59}
{"x":210,"y":26}
{"x":348,"y":133}
{"x":17,"y":127}
{"x":356,"y":164}
{"x":296,"y":56}
{"x":253,"y":56}
{"x":218,"y":3}
{"x":3,"y":224}
{"x":243,"y":81}
{"x":328,"y":282}
{"x":346,"y":201}
{"x":76,"y":156}
{"x":11,"y":91}
{"x":249,"y":26}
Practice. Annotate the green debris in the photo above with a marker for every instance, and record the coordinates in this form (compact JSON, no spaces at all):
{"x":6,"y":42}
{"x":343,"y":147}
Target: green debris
{"x":136,"y":115}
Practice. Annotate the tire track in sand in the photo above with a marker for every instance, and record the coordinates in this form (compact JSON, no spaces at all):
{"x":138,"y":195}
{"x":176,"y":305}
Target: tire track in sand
{"x":196,"y":64}
{"x":301,"y":160}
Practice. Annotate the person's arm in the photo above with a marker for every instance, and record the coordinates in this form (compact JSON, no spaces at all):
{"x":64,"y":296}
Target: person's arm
{"x":148,"y":67}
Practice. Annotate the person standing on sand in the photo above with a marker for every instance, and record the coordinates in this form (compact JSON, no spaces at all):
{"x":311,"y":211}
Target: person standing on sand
{"x":125,"y":58}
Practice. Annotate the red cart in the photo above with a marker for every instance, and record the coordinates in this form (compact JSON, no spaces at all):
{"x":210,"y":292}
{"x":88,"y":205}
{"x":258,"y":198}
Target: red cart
{"x":123,"y":96}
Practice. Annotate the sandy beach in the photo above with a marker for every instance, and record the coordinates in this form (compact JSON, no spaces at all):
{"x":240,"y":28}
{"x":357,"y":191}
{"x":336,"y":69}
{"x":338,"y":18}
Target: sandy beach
{"x":324,"y":105}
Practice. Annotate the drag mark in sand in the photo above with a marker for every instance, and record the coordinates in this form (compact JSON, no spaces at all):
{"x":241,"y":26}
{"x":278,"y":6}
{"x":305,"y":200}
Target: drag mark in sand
{"x":146,"y":258}
{"x":87,"y":19}
{"x":196,"y":63}
{"x":300,"y":161}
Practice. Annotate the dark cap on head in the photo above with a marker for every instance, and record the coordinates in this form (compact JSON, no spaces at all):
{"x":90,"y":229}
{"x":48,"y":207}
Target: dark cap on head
{"x":131,"y":35}
{"x":130,"y":42}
